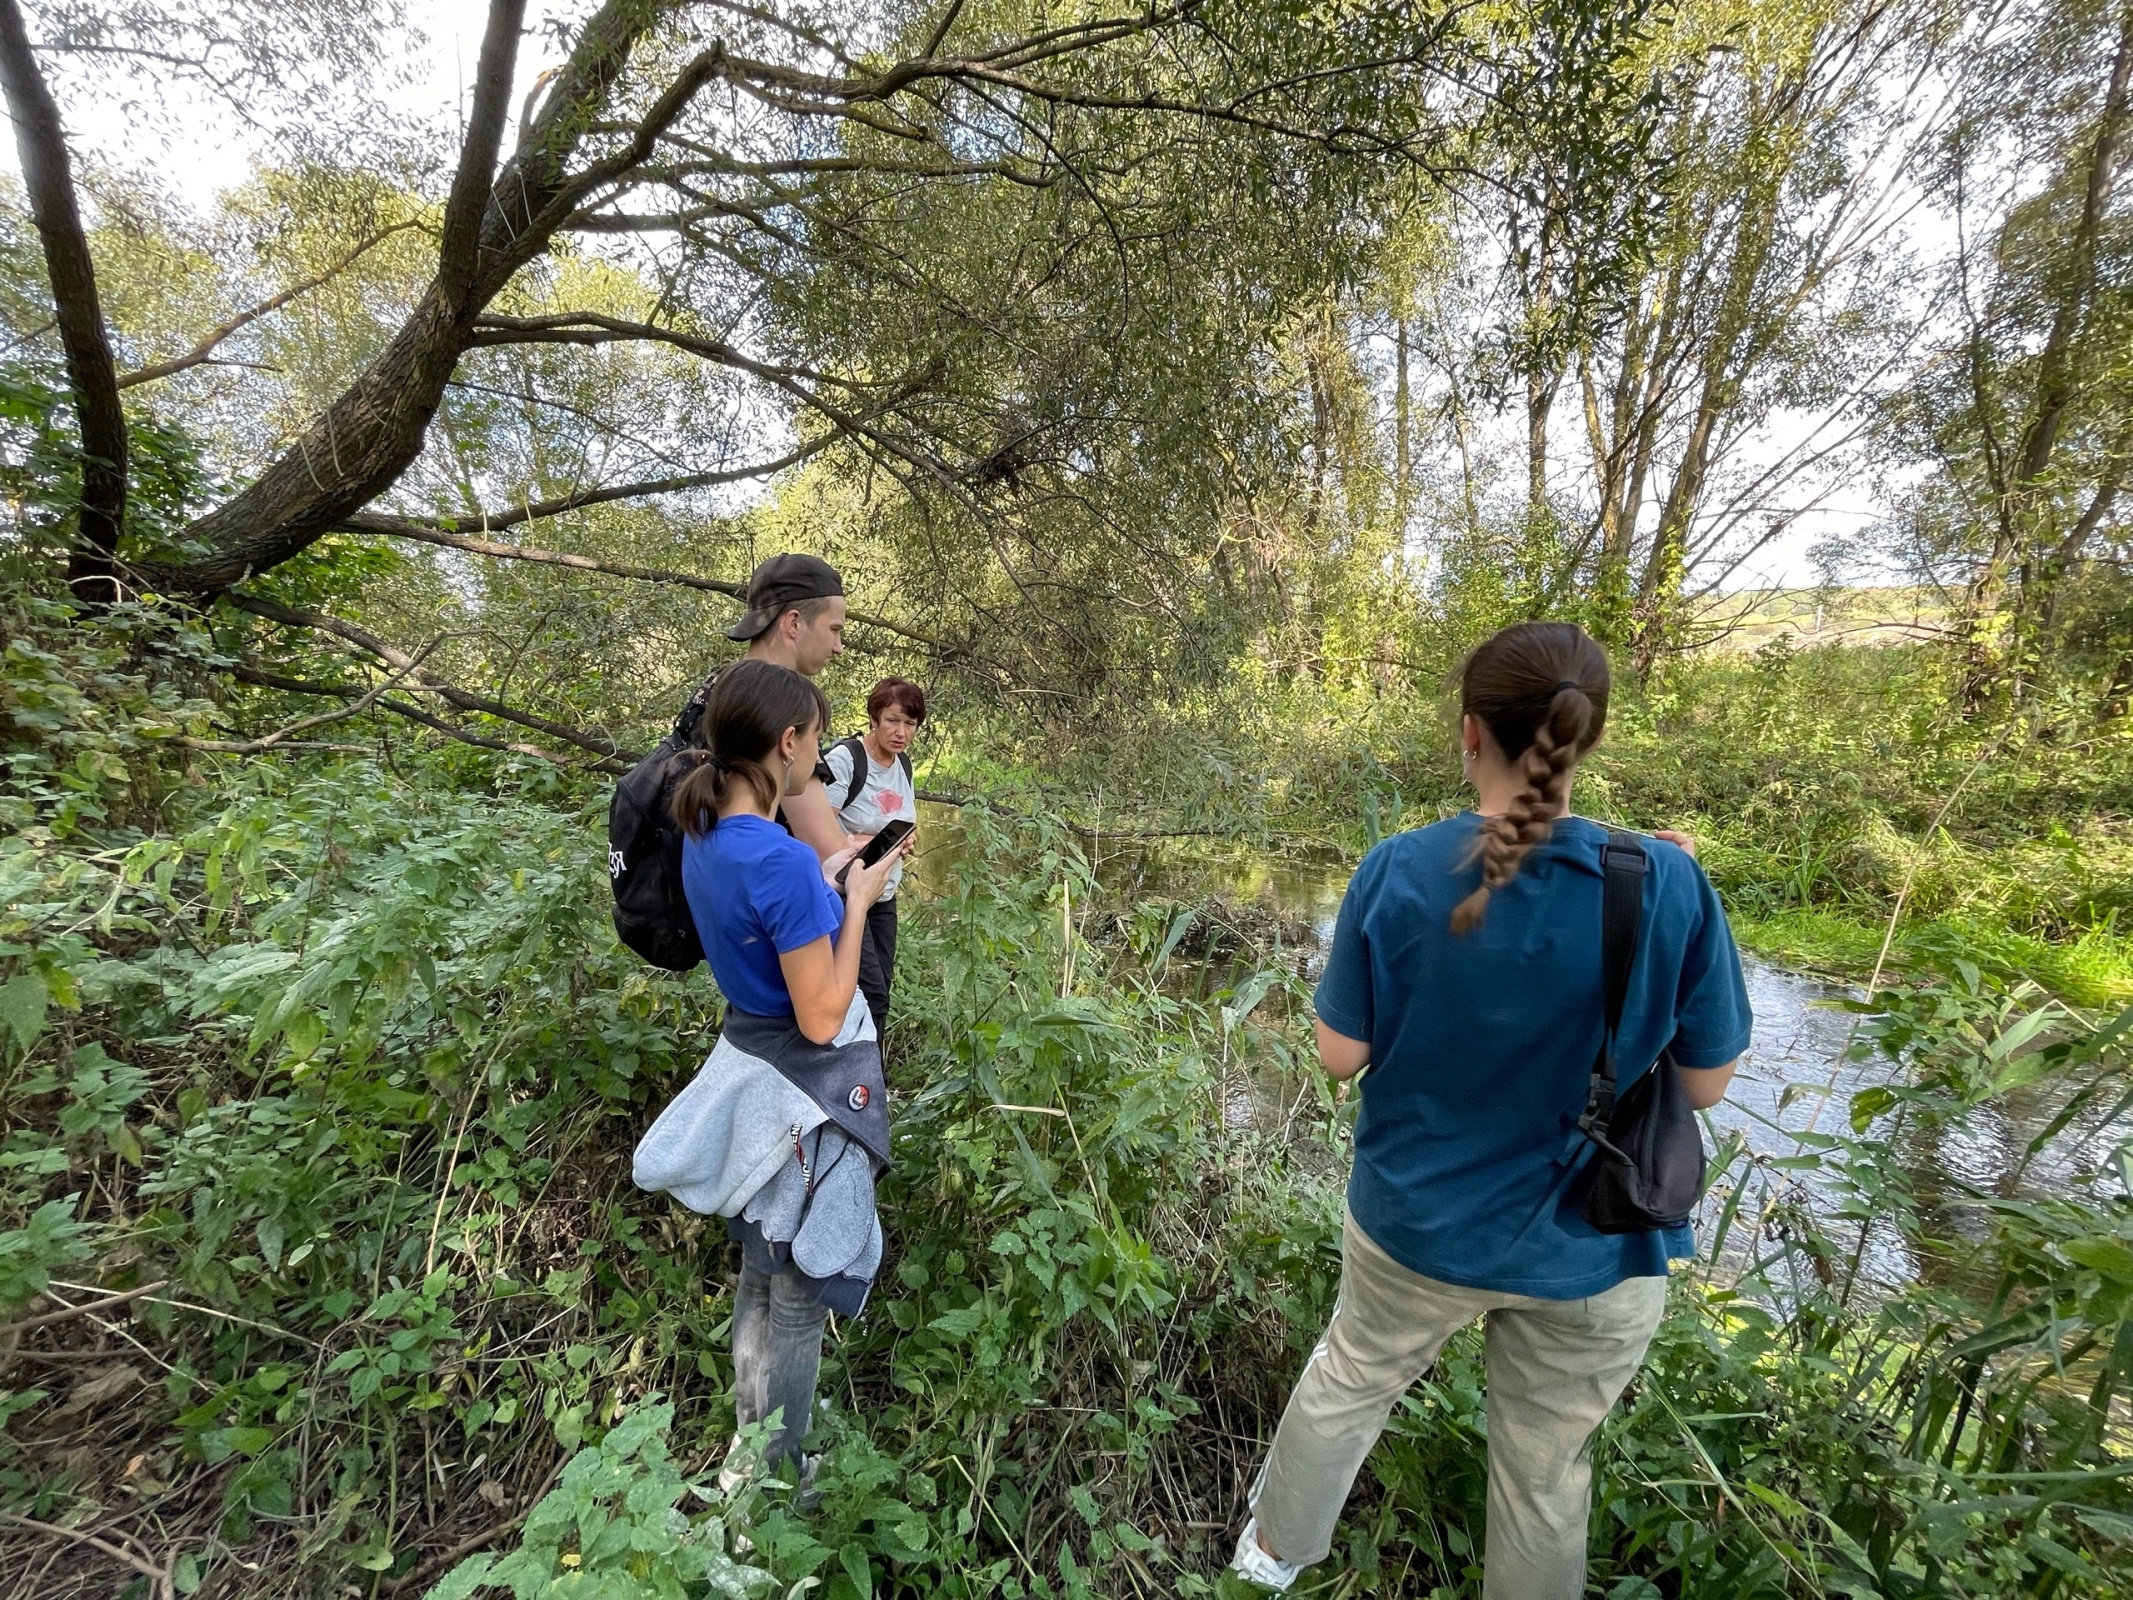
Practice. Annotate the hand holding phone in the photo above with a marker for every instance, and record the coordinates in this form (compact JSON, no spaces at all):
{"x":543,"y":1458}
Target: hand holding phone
{"x":891,"y":835}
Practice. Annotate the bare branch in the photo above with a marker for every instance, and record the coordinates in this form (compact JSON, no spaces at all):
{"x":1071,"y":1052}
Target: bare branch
{"x":198,"y":355}
{"x":594,"y":327}
{"x":939,"y":35}
{"x":45,"y":1319}
{"x":401,"y":528}
{"x":459,"y":249}
{"x":363,"y":702}
{"x":539,"y":510}
{"x":244,"y":672}
{"x":154,"y":1574}
{"x":393,"y":656}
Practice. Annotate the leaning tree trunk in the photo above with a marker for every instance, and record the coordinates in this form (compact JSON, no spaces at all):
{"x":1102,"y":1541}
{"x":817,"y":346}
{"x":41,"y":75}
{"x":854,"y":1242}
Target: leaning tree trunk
{"x":370,"y":434}
{"x":49,"y":183}
{"x":367,"y":437}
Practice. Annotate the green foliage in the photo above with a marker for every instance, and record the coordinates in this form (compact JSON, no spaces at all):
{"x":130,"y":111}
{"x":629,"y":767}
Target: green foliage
{"x":611,"y":1530}
{"x":349,"y":1056}
{"x":51,"y":1239}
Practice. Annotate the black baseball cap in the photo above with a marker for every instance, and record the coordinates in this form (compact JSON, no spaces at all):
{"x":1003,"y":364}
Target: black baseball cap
{"x":781,"y":583}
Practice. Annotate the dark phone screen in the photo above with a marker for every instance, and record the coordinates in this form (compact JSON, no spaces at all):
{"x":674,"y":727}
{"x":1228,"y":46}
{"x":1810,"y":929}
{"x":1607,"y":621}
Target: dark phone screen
{"x":891,"y":835}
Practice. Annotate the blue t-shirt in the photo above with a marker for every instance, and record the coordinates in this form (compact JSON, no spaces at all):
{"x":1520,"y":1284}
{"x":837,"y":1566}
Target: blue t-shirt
{"x":1481,"y":1048}
{"x":756,"y":893}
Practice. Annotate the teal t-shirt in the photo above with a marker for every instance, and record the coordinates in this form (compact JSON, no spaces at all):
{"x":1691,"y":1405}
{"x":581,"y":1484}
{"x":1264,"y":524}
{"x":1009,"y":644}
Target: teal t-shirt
{"x":1481,"y":1046}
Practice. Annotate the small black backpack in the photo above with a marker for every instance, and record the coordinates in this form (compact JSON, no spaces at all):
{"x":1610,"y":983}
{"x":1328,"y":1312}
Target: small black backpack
{"x":644,"y":853}
{"x":1647,"y":1166}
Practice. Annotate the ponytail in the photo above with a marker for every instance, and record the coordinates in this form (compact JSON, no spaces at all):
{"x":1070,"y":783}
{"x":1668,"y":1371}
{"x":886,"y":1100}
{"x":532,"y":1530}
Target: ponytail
{"x":747,"y":709}
{"x":698,"y":796}
{"x":1541,"y":690}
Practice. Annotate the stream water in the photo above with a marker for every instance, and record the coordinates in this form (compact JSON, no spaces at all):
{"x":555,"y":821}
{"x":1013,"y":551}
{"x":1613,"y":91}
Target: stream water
{"x":1796,"y":1082}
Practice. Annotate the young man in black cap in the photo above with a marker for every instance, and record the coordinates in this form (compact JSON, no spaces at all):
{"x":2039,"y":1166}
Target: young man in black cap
{"x":795,"y":619}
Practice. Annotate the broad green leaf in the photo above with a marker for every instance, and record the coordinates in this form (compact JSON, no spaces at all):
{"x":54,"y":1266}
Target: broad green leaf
{"x":22,"y":1007}
{"x":2113,"y":1525}
{"x":856,"y":1567}
{"x":959,"y":1324}
{"x":2109,"y":1256}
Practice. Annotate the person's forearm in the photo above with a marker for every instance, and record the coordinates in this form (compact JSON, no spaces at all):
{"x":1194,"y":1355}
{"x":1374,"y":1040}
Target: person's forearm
{"x":1706,"y":1086}
{"x":850,"y":944}
{"x":1341,"y":1056}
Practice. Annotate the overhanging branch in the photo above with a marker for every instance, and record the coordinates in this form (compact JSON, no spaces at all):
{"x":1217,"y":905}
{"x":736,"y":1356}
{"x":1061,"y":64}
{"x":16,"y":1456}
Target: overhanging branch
{"x":199,"y":353}
{"x":539,"y":509}
{"x":406,"y":528}
{"x":393,"y":656}
{"x":262,"y":678}
{"x":595,"y":327}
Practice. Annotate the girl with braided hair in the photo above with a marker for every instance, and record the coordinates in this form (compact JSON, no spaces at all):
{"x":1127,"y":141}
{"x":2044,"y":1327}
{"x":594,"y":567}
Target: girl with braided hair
{"x":1466,"y":974}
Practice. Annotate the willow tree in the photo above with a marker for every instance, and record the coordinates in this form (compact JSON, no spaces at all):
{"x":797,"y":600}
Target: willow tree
{"x":954,"y":245}
{"x":2028,"y":413}
{"x":1792,"y":147}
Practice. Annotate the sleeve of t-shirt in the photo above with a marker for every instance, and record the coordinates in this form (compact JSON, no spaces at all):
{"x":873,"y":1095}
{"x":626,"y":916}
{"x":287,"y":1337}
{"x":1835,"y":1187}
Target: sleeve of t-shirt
{"x":1343,"y":999}
{"x":796,"y":906}
{"x":1713,"y":1022}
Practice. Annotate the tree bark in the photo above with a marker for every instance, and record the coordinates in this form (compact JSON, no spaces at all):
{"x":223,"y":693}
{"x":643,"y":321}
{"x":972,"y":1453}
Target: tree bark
{"x":2055,"y":379}
{"x":1992,"y":637}
{"x":1540,"y":400}
{"x":47,"y":177}
{"x":367,"y":437}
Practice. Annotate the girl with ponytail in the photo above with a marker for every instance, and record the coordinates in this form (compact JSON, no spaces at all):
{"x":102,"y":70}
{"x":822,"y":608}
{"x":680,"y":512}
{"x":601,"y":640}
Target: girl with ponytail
{"x":1466,"y":975}
{"x":784,"y":1129}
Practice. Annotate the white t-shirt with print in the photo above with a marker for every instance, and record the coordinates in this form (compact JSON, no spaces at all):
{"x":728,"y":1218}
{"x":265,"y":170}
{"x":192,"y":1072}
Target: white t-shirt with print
{"x":887,"y":797}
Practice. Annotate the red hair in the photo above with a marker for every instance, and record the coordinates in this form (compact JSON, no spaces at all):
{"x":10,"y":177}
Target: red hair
{"x":900,"y":692}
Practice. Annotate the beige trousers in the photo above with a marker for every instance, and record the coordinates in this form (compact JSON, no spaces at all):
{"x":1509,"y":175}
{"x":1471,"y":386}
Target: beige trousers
{"x":1555,"y":1368}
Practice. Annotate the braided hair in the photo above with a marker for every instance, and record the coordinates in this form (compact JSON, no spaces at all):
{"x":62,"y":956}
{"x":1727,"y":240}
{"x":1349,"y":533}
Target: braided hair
{"x":1540,"y":688}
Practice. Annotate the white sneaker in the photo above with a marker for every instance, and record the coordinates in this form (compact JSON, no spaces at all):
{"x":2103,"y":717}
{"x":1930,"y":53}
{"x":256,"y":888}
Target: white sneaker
{"x":1251,"y":1562}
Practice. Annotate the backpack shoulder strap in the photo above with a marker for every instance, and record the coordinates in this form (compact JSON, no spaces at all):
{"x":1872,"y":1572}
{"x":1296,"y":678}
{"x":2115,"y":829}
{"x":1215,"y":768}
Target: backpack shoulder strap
{"x":690,"y":714}
{"x":903,"y":759}
{"x":1622,"y":868}
{"x":858,"y":748}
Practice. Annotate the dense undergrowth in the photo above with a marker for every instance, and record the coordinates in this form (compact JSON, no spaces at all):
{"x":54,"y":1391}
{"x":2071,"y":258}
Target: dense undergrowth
{"x":339,"y":1063}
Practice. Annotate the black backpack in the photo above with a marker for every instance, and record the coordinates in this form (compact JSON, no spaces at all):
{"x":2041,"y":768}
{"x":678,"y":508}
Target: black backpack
{"x":857,"y":786}
{"x":644,"y":853}
{"x":1647,"y":1166}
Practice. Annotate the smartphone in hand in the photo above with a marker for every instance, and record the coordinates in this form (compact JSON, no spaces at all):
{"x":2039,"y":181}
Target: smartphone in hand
{"x":891,"y":835}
